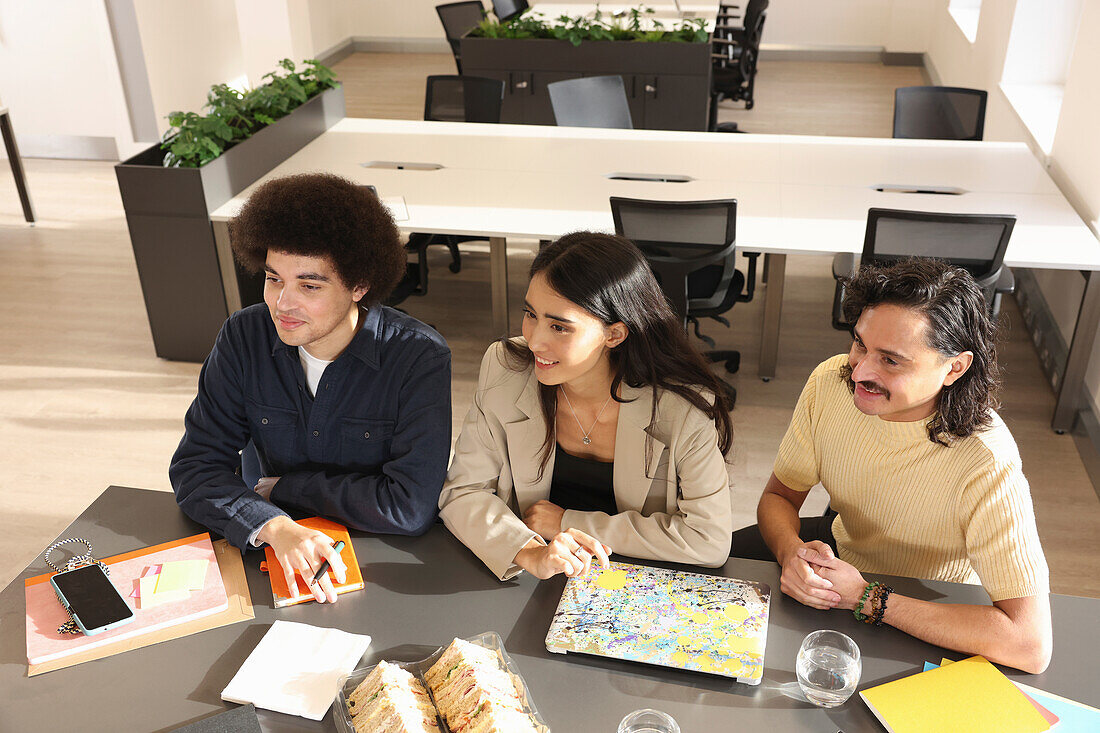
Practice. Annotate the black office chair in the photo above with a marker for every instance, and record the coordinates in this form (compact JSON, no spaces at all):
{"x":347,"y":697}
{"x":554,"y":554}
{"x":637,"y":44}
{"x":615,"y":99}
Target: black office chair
{"x":974,"y":242}
{"x":591,"y":101}
{"x":463,"y":99}
{"x":508,"y":9}
{"x":458,"y":19}
{"x":692,"y":248}
{"x":735,"y":48}
{"x":448,"y":99}
{"x":939,"y":113}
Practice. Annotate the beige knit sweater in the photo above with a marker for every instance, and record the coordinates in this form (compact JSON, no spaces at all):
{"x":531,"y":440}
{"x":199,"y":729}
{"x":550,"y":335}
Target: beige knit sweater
{"x":911,"y":507}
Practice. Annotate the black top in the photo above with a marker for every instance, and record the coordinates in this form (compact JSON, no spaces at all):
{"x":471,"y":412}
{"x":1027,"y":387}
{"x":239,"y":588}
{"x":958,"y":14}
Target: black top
{"x":582,"y":484}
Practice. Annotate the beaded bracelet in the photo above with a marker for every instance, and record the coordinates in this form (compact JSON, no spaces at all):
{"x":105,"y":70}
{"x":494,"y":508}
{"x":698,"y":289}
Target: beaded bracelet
{"x":880,"y":609}
{"x":858,"y":611}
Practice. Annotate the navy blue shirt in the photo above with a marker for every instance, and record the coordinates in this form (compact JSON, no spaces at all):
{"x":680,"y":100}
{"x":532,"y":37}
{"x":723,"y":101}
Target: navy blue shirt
{"x":370,"y":450}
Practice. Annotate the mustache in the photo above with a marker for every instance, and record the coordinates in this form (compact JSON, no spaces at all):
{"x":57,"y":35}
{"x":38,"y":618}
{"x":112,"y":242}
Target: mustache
{"x":872,"y":387}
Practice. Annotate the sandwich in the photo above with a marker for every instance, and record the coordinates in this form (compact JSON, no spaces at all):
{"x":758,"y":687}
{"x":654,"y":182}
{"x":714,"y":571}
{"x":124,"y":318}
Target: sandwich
{"x":474,"y":693}
{"x":391,"y":700}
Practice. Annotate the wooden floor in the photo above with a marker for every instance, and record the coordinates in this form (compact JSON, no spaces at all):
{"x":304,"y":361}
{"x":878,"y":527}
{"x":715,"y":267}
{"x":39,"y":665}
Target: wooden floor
{"x":86,"y":403}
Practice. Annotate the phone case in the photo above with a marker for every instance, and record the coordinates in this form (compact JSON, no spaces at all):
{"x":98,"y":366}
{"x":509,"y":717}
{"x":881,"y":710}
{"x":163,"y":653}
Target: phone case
{"x":80,"y":624}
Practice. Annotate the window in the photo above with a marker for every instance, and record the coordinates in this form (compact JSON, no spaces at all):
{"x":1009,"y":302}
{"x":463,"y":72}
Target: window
{"x":966,"y":13}
{"x":1039,"y":50}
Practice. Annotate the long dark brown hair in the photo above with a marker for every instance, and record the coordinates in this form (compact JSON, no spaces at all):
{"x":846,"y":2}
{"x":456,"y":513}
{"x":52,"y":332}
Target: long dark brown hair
{"x":958,"y":321}
{"x":609,"y":277}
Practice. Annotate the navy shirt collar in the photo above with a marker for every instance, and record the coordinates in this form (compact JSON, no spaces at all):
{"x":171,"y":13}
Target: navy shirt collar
{"x":363,"y":346}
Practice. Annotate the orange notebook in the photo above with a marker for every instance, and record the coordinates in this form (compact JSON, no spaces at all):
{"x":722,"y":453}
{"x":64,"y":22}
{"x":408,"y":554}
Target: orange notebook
{"x":302,"y":594}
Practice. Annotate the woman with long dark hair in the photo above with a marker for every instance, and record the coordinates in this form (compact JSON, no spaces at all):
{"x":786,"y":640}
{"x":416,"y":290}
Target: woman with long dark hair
{"x":601,"y":429}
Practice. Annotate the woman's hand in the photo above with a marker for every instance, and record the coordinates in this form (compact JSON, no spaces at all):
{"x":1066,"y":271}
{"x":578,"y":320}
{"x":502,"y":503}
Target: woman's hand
{"x":569,"y":552}
{"x":846,"y":581}
{"x":302,"y":549}
{"x":544,"y":519}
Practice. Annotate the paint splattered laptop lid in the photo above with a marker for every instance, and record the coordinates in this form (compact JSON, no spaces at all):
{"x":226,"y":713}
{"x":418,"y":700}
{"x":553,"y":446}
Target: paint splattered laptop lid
{"x":669,"y":618}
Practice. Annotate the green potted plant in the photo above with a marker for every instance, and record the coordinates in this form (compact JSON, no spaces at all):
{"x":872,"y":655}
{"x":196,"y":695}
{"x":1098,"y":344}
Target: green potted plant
{"x":665,"y":69}
{"x":168,"y":191}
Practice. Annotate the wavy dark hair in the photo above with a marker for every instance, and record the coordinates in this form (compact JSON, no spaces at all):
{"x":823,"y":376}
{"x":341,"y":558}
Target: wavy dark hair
{"x":958,"y":320}
{"x":609,"y":277}
{"x":322,"y":215}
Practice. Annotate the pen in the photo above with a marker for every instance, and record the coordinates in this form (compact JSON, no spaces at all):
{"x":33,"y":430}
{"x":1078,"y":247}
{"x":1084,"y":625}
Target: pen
{"x":339,"y":546}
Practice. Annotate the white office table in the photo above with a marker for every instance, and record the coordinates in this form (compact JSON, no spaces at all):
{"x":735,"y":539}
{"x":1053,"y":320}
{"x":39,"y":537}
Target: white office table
{"x":796,"y":195}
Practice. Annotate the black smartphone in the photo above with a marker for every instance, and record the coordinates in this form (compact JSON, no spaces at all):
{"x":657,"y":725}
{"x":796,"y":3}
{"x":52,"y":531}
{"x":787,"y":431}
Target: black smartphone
{"x":95,"y":603}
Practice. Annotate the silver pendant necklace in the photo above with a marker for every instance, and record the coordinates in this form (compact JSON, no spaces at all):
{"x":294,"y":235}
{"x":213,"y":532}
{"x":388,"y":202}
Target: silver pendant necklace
{"x":585,"y":433}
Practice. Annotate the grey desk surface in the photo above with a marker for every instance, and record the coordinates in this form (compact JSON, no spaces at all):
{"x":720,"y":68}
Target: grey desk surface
{"x":420,"y":593}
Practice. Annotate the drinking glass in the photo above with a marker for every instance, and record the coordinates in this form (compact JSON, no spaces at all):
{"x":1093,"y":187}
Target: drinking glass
{"x":828,"y":668}
{"x":648,"y":720}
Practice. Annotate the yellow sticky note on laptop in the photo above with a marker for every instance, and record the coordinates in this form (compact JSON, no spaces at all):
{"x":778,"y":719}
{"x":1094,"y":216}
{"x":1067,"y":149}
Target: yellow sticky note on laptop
{"x":185,"y":575}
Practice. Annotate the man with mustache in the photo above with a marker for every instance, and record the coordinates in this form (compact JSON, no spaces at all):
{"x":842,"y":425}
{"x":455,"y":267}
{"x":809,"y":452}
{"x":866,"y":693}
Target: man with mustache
{"x":319,"y":400}
{"x":924,"y":478}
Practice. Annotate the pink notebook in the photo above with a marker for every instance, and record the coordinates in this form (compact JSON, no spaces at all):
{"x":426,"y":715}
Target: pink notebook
{"x":45,"y":614}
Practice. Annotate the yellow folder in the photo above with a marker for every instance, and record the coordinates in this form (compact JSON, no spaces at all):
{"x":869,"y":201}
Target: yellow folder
{"x":970,"y":696}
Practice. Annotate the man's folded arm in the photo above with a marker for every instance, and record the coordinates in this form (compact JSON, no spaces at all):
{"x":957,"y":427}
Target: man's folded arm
{"x":204,"y":468}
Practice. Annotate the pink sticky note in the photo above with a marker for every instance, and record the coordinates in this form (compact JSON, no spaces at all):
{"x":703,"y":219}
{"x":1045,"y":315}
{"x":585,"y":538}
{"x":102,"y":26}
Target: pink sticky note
{"x":150,"y":570}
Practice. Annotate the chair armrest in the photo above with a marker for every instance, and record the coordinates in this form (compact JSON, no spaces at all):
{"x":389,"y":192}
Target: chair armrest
{"x":1006,"y":283}
{"x":844,"y":265}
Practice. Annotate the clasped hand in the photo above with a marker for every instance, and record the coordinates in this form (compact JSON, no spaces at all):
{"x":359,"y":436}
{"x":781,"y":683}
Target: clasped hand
{"x":813,"y":575}
{"x":544,"y":519}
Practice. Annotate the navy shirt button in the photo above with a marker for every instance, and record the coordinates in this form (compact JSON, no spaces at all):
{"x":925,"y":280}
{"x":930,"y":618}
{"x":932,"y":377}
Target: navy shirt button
{"x":366,"y":435}
{"x":316,"y":433}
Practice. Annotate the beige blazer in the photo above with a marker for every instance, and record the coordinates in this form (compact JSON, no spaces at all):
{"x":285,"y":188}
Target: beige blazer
{"x":678,"y":510}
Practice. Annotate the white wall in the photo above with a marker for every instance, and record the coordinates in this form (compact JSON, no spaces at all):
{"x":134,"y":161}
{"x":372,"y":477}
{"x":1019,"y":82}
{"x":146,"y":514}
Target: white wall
{"x":896,"y":25}
{"x":1074,"y":162}
{"x":58,"y":75}
{"x":1075,"y":166}
{"x":328,"y":23}
{"x":188,"y":47}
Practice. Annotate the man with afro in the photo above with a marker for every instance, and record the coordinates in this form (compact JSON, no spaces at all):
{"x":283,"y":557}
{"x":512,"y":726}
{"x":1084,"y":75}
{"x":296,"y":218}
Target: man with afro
{"x":319,"y":400}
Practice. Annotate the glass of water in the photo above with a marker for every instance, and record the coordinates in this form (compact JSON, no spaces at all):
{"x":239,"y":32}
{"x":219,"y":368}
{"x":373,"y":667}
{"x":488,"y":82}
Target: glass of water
{"x":648,"y":721}
{"x":828,"y":668}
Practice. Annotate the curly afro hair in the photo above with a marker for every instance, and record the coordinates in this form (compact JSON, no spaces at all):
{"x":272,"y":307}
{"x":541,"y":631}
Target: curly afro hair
{"x":322,"y":215}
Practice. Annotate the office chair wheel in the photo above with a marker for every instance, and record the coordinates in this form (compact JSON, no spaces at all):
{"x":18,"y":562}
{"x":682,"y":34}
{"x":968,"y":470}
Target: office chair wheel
{"x":455,"y":266}
{"x":733,"y":365}
{"x":765,"y":379}
{"x":748,"y":104}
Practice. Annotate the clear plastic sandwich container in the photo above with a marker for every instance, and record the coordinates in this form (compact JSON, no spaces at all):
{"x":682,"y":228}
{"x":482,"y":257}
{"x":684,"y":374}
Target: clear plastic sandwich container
{"x":489,"y":640}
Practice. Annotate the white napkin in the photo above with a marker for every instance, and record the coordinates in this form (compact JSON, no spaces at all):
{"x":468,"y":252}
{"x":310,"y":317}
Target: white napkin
{"x":295,"y":669}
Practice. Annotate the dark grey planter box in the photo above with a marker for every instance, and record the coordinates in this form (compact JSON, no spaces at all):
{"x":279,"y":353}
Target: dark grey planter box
{"x":667,"y":84}
{"x":168,"y":214}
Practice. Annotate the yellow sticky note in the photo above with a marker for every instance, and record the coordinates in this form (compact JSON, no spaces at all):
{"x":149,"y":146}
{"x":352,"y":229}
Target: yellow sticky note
{"x":149,"y":597}
{"x":182,"y":575}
